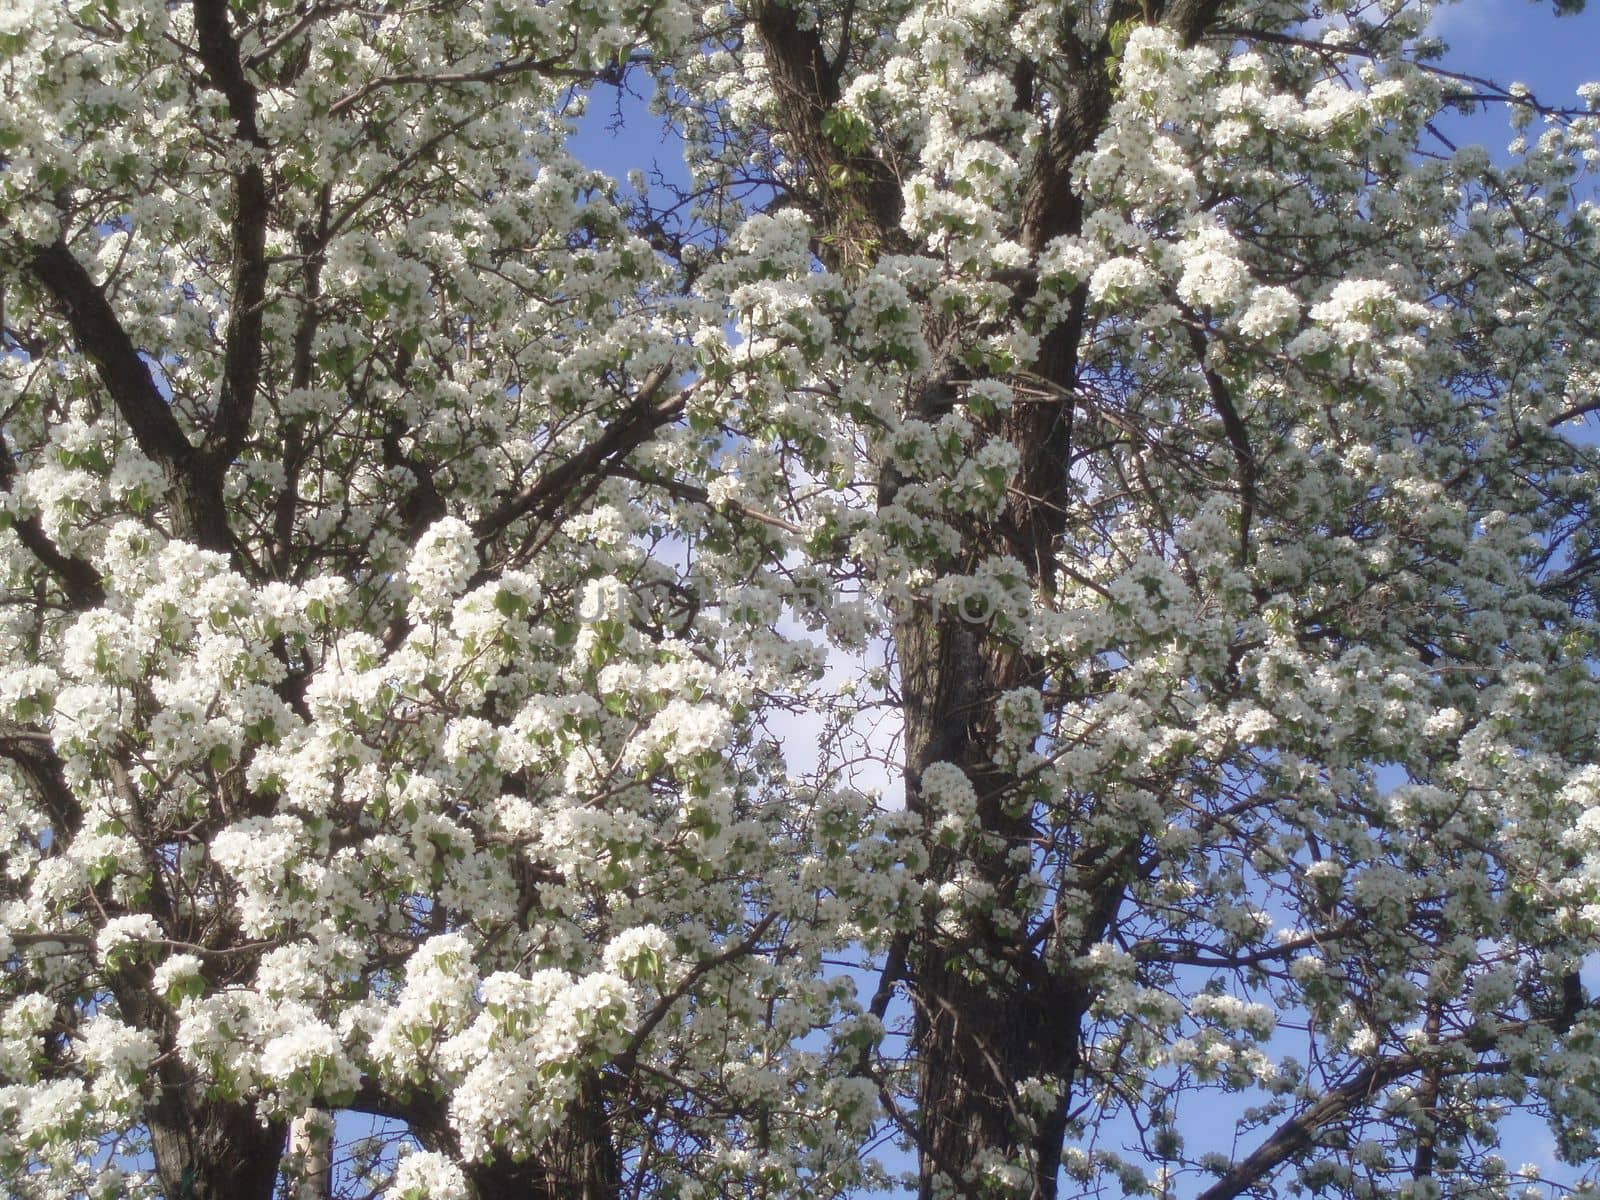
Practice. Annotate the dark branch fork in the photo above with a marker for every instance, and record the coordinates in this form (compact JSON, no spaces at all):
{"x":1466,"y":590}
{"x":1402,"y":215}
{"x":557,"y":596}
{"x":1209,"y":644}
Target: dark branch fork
{"x":194,"y":474}
{"x":194,"y":480}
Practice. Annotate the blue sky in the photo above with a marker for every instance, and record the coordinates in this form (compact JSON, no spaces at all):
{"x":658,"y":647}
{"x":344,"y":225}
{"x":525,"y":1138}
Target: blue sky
{"x":1523,"y":41}
{"x":1519,"y":41}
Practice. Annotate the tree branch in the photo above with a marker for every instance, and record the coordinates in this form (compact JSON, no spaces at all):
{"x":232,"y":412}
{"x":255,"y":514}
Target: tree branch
{"x":1490,"y":93}
{"x":252,"y":207}
{"x":1189,"y":19}
{"x":33,"y":753}
{"x":625,"y":1061}
{"x":855,"y":193}
{"x":123,"y":372}
{"x":194,"y":483}
{"x":219,"y":53}
{"x":544,"y":495}
{"x":1299,"y":1132}
{"x":699,"y":495}
{"x":77,"y":576}
{"x":301,"y":369}
{"x":1234,"y":429}
{"x":549,"y":66}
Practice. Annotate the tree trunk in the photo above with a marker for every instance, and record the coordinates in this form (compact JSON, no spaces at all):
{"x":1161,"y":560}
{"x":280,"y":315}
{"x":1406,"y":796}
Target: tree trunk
{"x":993,"y":1007}
{"x":578,"y":1162}
{"x":989,"y":1015}
{"x":211,"y":1151}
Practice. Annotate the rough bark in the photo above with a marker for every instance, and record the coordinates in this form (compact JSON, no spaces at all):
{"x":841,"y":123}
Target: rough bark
{"x":855,"y":197}
{"x":211,"y":1151}
{"x":990,"y":1013}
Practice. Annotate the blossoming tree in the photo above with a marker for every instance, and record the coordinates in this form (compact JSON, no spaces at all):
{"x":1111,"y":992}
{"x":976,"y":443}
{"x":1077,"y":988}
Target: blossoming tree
{"x":417,"y":546}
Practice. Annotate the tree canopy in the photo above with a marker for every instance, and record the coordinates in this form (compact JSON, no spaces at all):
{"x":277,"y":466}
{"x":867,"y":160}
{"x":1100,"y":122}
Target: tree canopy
{"x":1035,"y":605}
